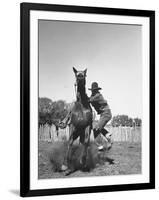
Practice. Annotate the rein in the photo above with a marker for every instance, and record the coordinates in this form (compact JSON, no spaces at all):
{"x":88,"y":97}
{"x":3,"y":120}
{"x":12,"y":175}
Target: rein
{"x":75,"y":85}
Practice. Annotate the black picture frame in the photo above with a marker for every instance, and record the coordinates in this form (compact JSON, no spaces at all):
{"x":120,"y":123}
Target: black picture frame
{"x":25,"y":9}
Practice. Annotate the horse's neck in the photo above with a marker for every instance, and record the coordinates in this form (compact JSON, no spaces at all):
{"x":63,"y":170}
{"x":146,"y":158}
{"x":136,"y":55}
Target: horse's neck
{"x":81,"y":91}
{"x":82,"y":96}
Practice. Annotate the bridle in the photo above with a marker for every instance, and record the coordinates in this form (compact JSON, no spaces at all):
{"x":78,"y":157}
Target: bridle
{"x":75,"y":85}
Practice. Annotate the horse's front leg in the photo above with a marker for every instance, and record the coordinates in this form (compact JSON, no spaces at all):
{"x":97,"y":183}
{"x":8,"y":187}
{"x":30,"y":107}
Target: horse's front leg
{"x":68,"y":152}
{"x":70,"y":143}
{"x":86,"y":145}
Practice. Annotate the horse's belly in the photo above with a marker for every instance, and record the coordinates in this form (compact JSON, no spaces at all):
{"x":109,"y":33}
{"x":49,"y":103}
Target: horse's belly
{"x":82,"y":119}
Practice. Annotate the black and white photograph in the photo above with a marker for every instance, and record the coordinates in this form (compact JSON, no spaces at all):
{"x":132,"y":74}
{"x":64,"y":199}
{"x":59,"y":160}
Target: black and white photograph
{"x":90,"y":99}
{"x":90,"y":94}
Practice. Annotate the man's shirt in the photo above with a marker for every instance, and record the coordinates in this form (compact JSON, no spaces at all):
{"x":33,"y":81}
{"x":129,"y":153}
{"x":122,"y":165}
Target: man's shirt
{"x":99,"y":103}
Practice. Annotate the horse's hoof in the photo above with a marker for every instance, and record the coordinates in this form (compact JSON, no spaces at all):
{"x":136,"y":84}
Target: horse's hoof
{"x":64,"y":168}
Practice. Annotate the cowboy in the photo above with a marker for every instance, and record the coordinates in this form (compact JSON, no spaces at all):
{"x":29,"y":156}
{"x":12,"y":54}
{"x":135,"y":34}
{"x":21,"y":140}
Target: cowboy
{"x":102,"y":108}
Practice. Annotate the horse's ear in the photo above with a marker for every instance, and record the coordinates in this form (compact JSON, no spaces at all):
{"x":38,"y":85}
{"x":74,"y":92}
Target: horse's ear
{"x":75,"y":71}
{"x":85,"y":71}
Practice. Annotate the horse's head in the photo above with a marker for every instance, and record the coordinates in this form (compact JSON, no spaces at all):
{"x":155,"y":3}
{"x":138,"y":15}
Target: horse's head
{"x":80,"y":77}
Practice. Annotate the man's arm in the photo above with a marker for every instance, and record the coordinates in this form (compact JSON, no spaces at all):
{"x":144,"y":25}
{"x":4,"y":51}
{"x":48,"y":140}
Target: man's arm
{"x":64,"y":122}
{"x":96,"y":97}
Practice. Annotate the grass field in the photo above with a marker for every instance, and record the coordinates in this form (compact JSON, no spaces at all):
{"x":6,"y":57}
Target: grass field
{"x":127,"y":160}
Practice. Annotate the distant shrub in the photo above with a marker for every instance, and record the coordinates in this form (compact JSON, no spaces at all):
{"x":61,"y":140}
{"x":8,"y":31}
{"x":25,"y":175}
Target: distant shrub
{"x":124,"y":120}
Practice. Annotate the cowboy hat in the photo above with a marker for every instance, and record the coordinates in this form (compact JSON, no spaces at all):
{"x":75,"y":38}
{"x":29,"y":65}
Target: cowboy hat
{"x":94,"y":86}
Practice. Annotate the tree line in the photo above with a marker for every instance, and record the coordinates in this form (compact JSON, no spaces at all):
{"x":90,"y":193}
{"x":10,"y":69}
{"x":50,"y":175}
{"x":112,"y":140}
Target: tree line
{"x":125,"y":120}
{"x":52,"y":112}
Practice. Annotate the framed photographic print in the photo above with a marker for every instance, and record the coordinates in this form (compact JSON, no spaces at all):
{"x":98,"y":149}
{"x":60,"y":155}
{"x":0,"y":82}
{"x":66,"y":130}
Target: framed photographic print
{"x":87,"y":99}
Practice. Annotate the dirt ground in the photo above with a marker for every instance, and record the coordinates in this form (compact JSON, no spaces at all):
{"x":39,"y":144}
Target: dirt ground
{"x":127,"y":160}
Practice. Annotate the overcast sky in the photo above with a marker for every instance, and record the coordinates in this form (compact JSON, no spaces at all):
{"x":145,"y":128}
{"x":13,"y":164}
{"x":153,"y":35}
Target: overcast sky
{"x":110,"y":52}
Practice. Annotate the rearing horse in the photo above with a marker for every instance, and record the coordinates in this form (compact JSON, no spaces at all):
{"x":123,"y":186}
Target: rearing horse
{"x":81,"y":117}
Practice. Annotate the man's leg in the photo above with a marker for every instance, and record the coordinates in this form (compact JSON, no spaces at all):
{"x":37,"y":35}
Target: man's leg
{"x":107,"y":138}
{"x":96,"y":132}
{"x":106,"y":133}
{"x":104,"y":119}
